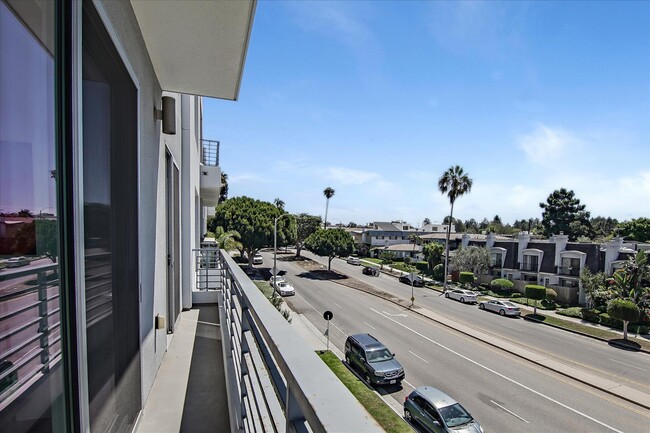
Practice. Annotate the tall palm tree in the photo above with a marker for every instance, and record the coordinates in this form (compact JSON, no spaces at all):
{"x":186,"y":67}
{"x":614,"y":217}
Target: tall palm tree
{"x":278,"y":203}
{"x":454,"y":182}
{"x":416,"y":241}
{"x":329,"y":193}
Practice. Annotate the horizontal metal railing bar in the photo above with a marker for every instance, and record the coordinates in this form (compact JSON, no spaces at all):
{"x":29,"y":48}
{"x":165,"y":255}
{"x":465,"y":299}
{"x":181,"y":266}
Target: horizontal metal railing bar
{"x":22,"y":309}
{"x":325,"y":403}
{"x":21,"y":363}
{"x":17,"y":293}
{"x":98,"y":276}
{"x":35,"y":269}
{"x":17,"y":348}
{"x":22,"y":327}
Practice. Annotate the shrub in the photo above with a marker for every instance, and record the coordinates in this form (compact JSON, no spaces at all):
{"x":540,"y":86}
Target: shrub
{"x":571,"y":312}
{"x":438,"y":272}
{"x":466,"y":277}
{"x":422,"y":266}
{"x":607,"y":320}
{"x":551,"y":295}
{"x":516,"y":295}
{"x":502,"y":284}
{"x":590,"y":314}
{"x":399,"y":259}
{"x":536,"y":293}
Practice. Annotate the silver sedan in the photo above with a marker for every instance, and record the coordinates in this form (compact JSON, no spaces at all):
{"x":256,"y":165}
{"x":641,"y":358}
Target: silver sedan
{"x":461,"y":295}
{"x":504,"y":308}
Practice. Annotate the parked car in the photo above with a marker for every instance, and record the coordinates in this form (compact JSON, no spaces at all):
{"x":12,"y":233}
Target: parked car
{"x":438,"y":413}
{"x":277,"y":280}
{"x":462,"y":295}
{"x":417,"y":280}
{"x":373,"y":360}
{"x":258,"y":259}
{"x":504,"y":308}
{"x":370,"y":270}
{"x":354,"y":261}
{"x":284,"y":288}
{"x":16,"y":262}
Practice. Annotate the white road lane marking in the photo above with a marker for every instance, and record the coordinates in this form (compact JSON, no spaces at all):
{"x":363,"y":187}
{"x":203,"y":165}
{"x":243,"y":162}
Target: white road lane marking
{"x":418,"y":357}
{"x":509,"y":411}
{"x":338,"y":305}
{"x":503,"y":376}
{"x":394,"y":314}
{"x":369,"y":325}
{"x":629,"y":365}
{"x":406,"y":382}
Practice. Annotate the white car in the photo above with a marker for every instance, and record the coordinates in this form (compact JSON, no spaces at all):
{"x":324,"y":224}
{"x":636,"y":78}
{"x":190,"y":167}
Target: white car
{"x":462,"y":295}
{"x":284,"y":288}
{"x":354,"y":261}
{"x":16,"y":262}
{"x":257,"y":259}
{"x":277,"y":280}
{"x":504,"y":308}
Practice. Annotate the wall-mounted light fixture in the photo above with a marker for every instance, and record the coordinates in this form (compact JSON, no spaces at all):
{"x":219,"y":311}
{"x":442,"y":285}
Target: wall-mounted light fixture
{"x":167,"y":115}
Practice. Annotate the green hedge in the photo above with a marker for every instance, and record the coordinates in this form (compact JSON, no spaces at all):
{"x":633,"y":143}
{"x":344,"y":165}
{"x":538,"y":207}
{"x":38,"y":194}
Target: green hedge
{"x":438,"y":272}
{"x":534,"y":291}
{"x":606,"y":320}
{"x":571,"y":312}
{"x":422,"y":266}
{"x":502,"y":284}
{"x":466,"y":277}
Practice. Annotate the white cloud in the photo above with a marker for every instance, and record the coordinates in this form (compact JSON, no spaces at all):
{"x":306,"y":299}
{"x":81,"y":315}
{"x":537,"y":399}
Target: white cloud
{"x":547,"y":146}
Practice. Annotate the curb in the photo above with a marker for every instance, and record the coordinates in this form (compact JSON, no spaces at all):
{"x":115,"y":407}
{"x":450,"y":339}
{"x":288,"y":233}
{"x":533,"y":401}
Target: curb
{"x":613,"y":343}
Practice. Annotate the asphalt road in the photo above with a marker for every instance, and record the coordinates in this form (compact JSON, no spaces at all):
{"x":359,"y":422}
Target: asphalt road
{"x":503,"y":392}
{"x":597,"y":357}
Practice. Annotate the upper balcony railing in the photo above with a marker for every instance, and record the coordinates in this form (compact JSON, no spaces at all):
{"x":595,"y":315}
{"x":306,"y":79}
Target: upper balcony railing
{"x":568,"y":270}
{"x":528,"y":267}
{"x":210,"y":153}
{"x":275,"y":382}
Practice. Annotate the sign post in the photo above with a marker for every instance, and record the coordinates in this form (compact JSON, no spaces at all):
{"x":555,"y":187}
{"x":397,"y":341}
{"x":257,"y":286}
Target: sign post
{"x":328,"y":316}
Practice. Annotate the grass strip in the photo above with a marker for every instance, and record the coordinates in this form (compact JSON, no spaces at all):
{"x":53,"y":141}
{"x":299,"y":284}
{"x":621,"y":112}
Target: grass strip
{"x":589,"y":330}
{"x":384,"y":415}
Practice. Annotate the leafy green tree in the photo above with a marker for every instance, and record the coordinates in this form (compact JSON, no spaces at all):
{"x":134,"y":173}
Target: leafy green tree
{"x":223,"y":192}
{"x":386,"y":258}
{"x":635,"y":230}
{"x":433,"y":253}
{"x":306,"y":225}
{"x":502,"y":285}
{"x":472,"y":259}
{"x":328,"y":193}
{"x":633,"y":277}
{"x":454,"y":182}
{"x":564,"y":213}
{"x":25,"y":213}
{"x":228,"y":240}
{"x":471,"y":226}
{"x":603,"y":227}
{"x":536,"y":293}
{"x":330,"y":243}
{"x":426,"y":221}
{"x":253,"y":220}
{"x":625,"y":310}
{"x":595,"y":287}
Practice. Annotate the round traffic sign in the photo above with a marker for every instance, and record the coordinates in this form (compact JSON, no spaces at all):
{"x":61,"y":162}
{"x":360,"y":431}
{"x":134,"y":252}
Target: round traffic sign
{"x":328,"y":315}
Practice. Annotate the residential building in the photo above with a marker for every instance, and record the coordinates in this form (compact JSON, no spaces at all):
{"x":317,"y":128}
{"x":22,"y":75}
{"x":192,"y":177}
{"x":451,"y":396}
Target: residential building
{"x":100,"y":123}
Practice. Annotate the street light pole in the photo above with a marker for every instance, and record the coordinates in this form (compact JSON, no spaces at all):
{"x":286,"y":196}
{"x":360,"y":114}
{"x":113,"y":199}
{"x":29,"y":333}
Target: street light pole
{"x":275,"y":247}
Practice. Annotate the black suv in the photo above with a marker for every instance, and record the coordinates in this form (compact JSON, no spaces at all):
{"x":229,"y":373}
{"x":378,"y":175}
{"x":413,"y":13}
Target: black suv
{"x":417,"y":281}
{"x":376,"y":363}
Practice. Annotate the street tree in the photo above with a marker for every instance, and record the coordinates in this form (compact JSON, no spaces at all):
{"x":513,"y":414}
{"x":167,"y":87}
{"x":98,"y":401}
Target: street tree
{"x":306,"y":225}
{"x":253,"y":220}
{"x":632,"y":279}
{"x":386,"y":257}
{"x":564,"y":213}
{"x":328,"y":193}
{"x":228,"y":240}
{"x":624,"y":310}
{"x":330,"y":243}
{"x":635,"y":230}
{"x":454,"y":182}
{"x":223,"y":192}
{"x":426,"y":221}
{"x":472,"y":259}
{"x":536,"y":293}
{"x":433,"y":253}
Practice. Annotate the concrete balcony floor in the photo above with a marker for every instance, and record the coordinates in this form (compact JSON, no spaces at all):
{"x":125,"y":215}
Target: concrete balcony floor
{"x":189,"y":392}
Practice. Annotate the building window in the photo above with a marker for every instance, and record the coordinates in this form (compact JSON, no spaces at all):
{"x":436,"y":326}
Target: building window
{"x":32,"y":347}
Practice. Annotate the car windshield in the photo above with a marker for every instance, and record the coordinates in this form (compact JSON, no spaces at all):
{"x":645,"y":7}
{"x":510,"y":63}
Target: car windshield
{"x":455,"y":415}
{"x":380,"y":355}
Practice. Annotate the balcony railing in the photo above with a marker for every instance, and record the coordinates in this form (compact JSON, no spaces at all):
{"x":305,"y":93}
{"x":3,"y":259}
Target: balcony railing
{"x":275,"y":383}
{"x":210,"y":153}
{"x":528,"y":267}
{"x":568,"y":270}
{"x":30,"y":338}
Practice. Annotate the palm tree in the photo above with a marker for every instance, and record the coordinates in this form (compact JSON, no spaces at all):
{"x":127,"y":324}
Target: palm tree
{"x":416,"y":241}
{"x":426,"y":222}
{"x":278,"y":203}
{"x":329,"y":193}
{"x":454,"y":182}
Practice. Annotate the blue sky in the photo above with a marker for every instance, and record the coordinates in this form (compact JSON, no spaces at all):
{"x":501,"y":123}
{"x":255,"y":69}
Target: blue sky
{"x":378,"y":99}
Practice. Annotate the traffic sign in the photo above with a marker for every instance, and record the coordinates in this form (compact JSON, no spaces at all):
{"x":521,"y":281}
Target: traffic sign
{"x":328,"y":315}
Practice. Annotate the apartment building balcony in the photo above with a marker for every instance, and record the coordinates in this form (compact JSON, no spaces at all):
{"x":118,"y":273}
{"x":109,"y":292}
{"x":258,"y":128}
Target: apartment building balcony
{"x":568,"y":271}
{"x":528,"y":267}
{"x":210,"y":171}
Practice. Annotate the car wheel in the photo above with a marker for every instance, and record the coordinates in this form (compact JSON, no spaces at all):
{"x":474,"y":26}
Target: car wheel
{"x":407,"y":415}
{"x":347,"y":359}
{"x":446,"y":295}
{"x":502,"y":312}
{"x":481,"y":307}
{"x":462,"y":300}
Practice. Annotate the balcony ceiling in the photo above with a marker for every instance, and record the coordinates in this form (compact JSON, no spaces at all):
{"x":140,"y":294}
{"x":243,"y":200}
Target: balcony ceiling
{"x":197,"y":47}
